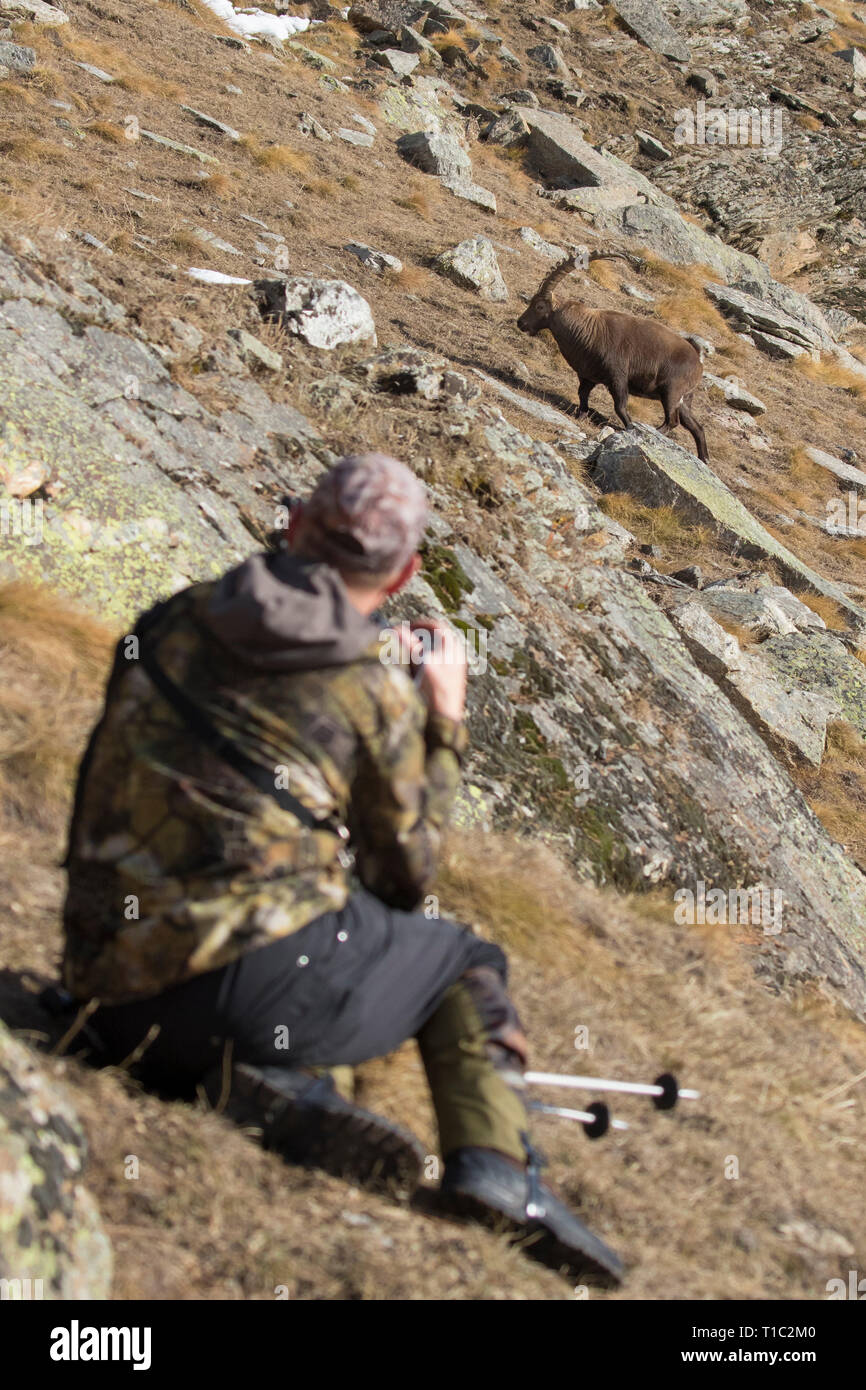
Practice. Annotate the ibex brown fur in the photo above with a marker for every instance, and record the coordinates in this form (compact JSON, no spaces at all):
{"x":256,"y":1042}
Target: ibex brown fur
{"x":628,"y":355}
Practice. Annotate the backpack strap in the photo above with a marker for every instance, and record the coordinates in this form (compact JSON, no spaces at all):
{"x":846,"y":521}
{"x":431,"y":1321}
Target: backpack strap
{"x":199,"y":724}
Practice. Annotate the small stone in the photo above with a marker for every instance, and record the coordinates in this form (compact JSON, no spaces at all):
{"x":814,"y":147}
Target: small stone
{"x":363,"y":122}
{"x":211,"y":239}
{"x":308,"y":125}
{"x":521,"y":96}
{"x":254,"y":352}
{"x":378,"y":261}
{"x":212,"y":123}
{"x":507,"y":130}
{"x":356,"y":137}
{"x":547,"y":55}
{"x":15,"y":59}
{"x":99,"y":73}
{"x":403,"y":64}
{"x":692,"y":575}
{"x":703,"y":81}
{"x":548,"y":249}
{"x":178,"y":147}
{"x":650,"y":146}
{"x":855,"y":58}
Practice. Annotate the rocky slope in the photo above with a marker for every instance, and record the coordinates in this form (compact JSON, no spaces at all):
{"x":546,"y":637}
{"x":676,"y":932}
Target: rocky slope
{"x":227,"y":259}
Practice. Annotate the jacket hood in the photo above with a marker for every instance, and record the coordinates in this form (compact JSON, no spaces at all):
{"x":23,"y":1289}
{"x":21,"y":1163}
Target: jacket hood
{"x":277,"y":612}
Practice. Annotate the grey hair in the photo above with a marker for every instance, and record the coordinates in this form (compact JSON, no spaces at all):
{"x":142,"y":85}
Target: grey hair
{"x":366,"y":516}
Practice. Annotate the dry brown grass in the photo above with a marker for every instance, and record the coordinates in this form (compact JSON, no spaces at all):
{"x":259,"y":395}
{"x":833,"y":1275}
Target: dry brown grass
{"x":107,"y":130}
{"x":218,"y":184}
{"x":45,"y":645}
{"x":605,"y":274}
{"x":693,"y":312}
{"x":663,"y":526}
{"x":830,"y":373}
{"x":412,"y":278}
{"x":418,"y":201}
{"x":836,"y":791}
{"x":30,"y":149}
{"x":126,"y":73}
{"x":276,"y":158}
{"x":826,"y":608}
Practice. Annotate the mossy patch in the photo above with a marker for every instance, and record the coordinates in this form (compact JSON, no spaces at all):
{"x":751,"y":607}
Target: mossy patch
{"x":445,"y":575}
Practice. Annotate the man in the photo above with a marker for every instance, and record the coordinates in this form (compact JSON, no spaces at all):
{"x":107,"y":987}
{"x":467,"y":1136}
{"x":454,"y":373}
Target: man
{"x":255,"y":749}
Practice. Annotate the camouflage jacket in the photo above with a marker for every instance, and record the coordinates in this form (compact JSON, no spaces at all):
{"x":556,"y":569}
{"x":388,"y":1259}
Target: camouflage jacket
{"x":177,"y":862}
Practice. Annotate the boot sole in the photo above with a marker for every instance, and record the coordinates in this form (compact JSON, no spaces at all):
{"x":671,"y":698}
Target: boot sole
{"x":327,"y":1134}
{"x":598,"y":1263}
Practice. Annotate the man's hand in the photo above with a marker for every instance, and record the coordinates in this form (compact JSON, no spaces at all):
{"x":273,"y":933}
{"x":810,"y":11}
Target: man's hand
{"x":443,"y":673}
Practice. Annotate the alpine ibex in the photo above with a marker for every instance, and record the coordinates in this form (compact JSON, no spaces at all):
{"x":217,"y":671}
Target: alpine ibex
{"x":628,"y":355}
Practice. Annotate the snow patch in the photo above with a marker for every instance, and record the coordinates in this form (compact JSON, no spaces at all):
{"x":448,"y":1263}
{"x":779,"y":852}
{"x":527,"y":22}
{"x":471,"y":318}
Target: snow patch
{"x":253,"y":23}
{"x":215,"y":277}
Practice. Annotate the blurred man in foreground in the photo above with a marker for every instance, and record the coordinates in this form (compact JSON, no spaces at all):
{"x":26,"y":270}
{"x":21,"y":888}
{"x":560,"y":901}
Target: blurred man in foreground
{"x":258,"y":817}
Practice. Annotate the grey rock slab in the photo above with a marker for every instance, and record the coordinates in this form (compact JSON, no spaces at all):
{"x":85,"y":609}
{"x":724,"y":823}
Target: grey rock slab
{"x":790,"y":718}
{"x":254,"y":352}
{"x":179,"y":148}
{"x":819,"y":662}
{"x":548,"y":249}
{"x":646,"y":20}
{"x":508,"y":129}
{"x":209,"y":238}
{"x":36,"y":10}
{"x":661,"y":473}
{"x":212,"y":123}
{"x":435,"y":152}
{"x":845,"y":472}
{"x":855,"y":58}
{"x":732,"y":391}
{"x":756,"y":313}
{"x":782,"y":349}
{"x":360,"y":138}
{"x":651,"y":147}
{"x":558,"y":151}
{"x":548,"y":56}
{"x":397,"y":60}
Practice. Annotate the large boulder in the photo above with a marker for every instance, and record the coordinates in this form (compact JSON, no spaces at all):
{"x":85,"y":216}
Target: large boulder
{"x":439,"y":152}
{"x":52,"y":1244}
{"x":791,"y":719}
{"x":325,"y":313}
{"x":661,"y":473}
{"x":559,"y":152}
{"x":473,"y":265}
{"x":647,"y":22}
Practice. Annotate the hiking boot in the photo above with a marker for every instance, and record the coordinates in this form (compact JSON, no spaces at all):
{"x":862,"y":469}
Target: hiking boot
{"x":306,"y":1121}
{"x":487,"y":1187}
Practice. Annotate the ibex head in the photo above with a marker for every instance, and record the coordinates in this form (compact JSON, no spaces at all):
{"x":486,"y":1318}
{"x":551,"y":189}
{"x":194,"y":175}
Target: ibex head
{"x":537,"y":315}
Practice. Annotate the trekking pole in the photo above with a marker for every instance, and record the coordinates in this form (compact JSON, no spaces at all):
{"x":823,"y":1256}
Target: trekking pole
{"x":596,"y":1120}
{"x":665,"y":1090}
